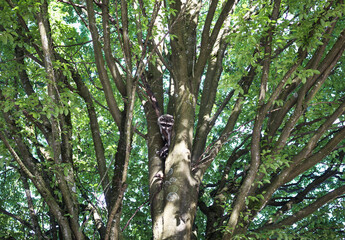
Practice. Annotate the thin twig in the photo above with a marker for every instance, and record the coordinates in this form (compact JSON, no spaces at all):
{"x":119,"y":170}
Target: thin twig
{"x":130,"y":219}
{"x":72,"y":45}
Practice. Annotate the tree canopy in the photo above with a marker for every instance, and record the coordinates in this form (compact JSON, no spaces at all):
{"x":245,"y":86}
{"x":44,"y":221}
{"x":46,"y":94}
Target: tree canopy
{"x":255,"y":90}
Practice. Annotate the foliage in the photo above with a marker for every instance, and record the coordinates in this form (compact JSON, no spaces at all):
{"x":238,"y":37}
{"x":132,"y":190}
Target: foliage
{"x":257,"y":92}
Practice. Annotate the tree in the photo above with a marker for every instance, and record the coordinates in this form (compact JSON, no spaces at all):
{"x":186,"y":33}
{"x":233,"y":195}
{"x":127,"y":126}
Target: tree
{"x":256,"y":91}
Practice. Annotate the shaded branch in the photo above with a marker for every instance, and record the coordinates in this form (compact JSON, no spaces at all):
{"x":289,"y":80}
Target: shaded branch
{"x":301,"y":195}
{"x":306,"y":211}
{"x":22,"y":221}
{"x":33,"y":216}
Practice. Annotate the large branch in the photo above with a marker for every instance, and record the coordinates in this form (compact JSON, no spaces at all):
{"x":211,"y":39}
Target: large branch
{"x":301,"y":161}
{"x":255,"y":143}
{"x":205,"y":36}
{"x":149,"y":44}
{"x":26,"y":29}
{"x":306,"y":93}
{"x":39,"y":183}
{"x":14,"y":133}
{"x":33,"y":215}
{"x":317,"y":157}
{"x":84,"y":92}
{"x":207,"y":100}
{"x":108,"y":92}
{"x":126,"y":41}
{"x":58,"y":138}
{"x":43,"y":124}
{"x":108,"y":51}
{"x":266,"y":63}
{"x":121,"y":164}
{"x":209,"y":39}
{"x":205,"y":162}
{"x":183,"y":47}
